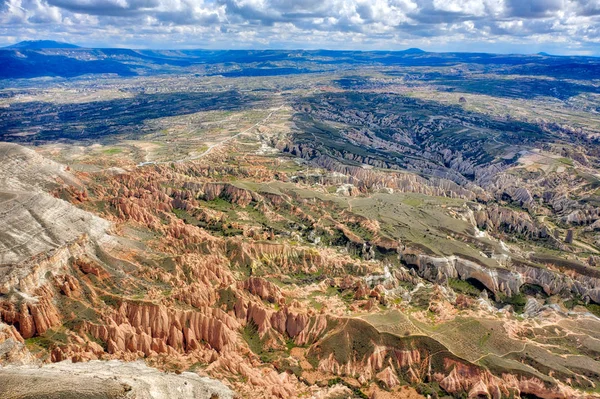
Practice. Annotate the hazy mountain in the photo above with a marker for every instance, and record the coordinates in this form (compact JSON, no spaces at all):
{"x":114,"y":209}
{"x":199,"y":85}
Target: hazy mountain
{"x":48,"y":58}
{"x":41,"y":44}
{"x":413,"y":50}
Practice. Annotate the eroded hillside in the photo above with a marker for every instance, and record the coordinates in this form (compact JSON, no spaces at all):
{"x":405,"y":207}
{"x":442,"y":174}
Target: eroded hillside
{"x":332,"y":238}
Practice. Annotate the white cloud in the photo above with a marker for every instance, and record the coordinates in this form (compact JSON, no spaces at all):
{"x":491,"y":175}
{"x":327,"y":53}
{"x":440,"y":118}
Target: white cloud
{"x":469,"y":7}
{"x":301,"y":23}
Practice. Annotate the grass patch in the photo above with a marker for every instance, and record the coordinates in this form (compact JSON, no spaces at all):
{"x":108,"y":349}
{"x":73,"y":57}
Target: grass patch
{"x":48,"y":340}
{"x":111,"y":301}
{"x":463,"y":287}
{"x":566,"y":161}
{"x":227,"y":297}
{"x":112,"y":151}
{"x":594,"y":309}
{"x":518,"y":301}
{"x":250,"y":335}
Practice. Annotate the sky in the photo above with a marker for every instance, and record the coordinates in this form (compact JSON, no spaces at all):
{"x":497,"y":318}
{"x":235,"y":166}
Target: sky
{"x":500,"y":26}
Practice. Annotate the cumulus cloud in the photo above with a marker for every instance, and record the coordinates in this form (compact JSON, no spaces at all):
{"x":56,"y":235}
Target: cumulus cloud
{"x":105,"y":7}
{"x":588,"y":7}
{"x":434,"y":24}
{"x":535,"y":8}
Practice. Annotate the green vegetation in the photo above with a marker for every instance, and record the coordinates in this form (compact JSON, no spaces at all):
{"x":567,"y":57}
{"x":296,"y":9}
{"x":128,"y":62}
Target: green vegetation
{"x":51,"y":338}
{"x":227,"y":298}
{"x":463,"y":287}
{"x":533,"y":290}
{"x":110,"y":300}
{"x":518,"y":301}
{"x":41,"y":342}
{"x":194,"y":368}
{"x":431,"y":389}
{"x":393,"y":321}
{"x":594,"y":308}
{"x":566,"y":161}
{"x":100,"y":342}
{"x":250,"y":335}
{"x":112,"y":151}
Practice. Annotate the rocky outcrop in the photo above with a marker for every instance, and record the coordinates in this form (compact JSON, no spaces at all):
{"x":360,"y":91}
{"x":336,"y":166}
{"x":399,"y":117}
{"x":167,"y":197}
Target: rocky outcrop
{"x":29,"y":275}
{"x":12,"y":347}
{"x":583,"y":216}
{"x":496,"y":218}
{"x":388,"y":378}
{"x":303,"y":327}
{"x":365,"y":179}
{"x":286,"y":258}
{"x":33,"y":317}
{"x":439,"y":269}
{"x":407,"y":363}
{"x":477,"y":382}
{"x":556,"y":283}
{"x":112,"y":379}
{"x":231,"y":193}
{"x":262,"y":288}
{"x":151,"y":329}
{"x":390,"y":359}
{"x":259,"y":381}
{"x":176,"y":290}
{"x":36,"y":223}
{"x":30,"y":287}
{"x":506,"y":281}
{"x":33,"y":221}
{"x":23,"y":169}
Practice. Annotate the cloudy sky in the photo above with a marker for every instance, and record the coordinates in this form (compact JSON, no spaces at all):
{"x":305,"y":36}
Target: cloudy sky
{"x":524,"y":26}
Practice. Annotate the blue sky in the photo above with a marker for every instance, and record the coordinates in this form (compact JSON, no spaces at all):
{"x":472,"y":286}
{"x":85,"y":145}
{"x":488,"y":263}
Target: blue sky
{"x":503,"y":26}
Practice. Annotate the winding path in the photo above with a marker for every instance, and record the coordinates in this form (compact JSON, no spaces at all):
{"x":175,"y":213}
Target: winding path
{"x":212,"y":147}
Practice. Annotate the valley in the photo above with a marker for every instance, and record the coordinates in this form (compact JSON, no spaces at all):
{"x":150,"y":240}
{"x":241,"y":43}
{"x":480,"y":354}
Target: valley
{"x":390,"y":225}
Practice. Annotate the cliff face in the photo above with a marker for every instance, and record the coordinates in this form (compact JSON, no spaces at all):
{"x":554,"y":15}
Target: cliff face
{"x":230,"y":193}
{"x":368,"y":180}
{"x":440,"y":269}
{"x":557,"y":283}
{"x":506,"y":281}
{"x":32,"y":318}
{"x":495,"y":218}
{"x":481,"y":383}
{"x":130,"y":329}
{"x":12,"y":347}
{"x":30,"y":288}
{"x":153,"y":329}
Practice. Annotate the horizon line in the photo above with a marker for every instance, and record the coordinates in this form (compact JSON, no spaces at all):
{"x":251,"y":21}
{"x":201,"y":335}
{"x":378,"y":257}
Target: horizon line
{"x":540,"y":53}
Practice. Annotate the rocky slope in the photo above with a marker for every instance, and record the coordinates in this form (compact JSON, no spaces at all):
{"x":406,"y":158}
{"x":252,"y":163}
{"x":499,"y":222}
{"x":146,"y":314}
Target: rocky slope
{"x":34,"y":222}
{"x":112,"y":379}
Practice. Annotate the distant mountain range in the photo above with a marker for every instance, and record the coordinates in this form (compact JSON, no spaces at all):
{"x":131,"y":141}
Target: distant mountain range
{"x":41,"y":44}
{"x":38,"y":58}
